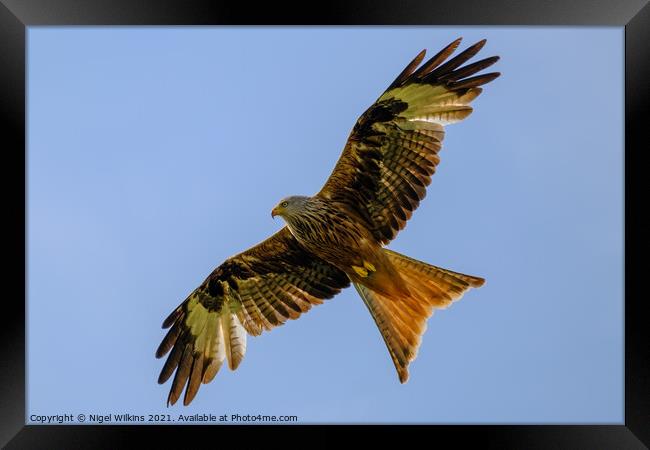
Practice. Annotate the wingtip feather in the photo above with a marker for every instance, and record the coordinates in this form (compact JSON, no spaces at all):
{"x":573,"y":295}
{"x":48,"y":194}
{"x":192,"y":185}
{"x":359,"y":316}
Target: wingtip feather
{"x":171,"y":318}
{"x":408,"y":70}
{"x":476,"y":81}
{"x":194,"y":382}
{"x":437,"y":59}
{"x":477,"y":282}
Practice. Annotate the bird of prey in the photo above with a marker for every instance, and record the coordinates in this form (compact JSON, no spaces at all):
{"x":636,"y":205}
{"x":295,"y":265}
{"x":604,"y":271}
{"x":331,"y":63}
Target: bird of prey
{"x":337,"y":237}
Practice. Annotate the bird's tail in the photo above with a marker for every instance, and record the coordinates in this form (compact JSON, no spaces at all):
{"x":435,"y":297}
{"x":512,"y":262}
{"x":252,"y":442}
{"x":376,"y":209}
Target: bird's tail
{"x":402,"y":319}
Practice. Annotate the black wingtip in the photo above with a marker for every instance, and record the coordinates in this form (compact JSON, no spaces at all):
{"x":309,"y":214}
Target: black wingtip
{"x":475,"y":81}
{"x":437,"y":59}
{"x":469,"y":70}
{"x":171,"y":318}
{"x":161,"y":351}
{"x":408,"y":70}
{"x":450,"y":66}
{"x":479,"y":45}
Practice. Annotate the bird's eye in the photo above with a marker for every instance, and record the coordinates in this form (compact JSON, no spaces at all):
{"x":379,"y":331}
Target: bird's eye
{"x":284,"y":204}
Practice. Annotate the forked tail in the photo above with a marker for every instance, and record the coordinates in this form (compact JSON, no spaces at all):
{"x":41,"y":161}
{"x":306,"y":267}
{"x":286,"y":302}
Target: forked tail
{"x":402,"y":320}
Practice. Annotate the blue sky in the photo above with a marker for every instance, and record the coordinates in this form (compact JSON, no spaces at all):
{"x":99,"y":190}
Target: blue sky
{"x":156,"y":153}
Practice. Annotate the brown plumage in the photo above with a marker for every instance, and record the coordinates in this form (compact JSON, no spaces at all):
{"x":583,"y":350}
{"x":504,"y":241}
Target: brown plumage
{"x":337,"y":236}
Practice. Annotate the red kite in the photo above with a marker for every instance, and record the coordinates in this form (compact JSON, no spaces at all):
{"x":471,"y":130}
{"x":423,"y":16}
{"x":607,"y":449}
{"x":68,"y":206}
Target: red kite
{"x":337,"y":236}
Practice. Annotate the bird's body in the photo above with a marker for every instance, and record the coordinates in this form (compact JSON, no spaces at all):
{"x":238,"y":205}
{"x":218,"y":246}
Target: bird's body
{"x":326,"y":229}
{"x":337,"y":237}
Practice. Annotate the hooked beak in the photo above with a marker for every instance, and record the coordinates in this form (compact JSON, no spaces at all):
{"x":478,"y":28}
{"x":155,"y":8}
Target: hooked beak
{"x":274,"y":212}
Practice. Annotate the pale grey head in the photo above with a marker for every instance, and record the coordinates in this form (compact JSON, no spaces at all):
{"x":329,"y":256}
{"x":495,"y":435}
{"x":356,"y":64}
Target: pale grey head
{"x":290,"y":206}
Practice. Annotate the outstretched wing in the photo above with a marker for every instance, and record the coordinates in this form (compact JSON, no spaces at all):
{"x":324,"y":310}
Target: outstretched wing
{"x":392,"y":151}
{"x":256,"y":290}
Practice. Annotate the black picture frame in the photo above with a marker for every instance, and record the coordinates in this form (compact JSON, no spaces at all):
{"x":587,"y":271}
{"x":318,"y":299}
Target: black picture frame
{"x":634,"y":15}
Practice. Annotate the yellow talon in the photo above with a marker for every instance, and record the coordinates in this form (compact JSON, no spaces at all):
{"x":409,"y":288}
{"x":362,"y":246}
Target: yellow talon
{"x":361,"y":271}
{"x":369,"y":266}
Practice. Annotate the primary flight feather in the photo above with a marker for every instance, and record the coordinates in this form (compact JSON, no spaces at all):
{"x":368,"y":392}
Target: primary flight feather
{"x":336,"y":237}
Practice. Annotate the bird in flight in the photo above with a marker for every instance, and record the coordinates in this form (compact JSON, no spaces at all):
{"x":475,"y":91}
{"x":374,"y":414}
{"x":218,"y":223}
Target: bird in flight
{"x":337,"y":237}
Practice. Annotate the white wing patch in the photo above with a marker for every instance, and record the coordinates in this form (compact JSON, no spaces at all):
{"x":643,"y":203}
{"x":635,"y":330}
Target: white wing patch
{"x":234,"y":337}
{"x":433,"y":103}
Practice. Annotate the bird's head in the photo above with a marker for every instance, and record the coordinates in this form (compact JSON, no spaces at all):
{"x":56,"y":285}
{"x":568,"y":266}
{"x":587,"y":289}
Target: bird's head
{"x":289,"y":206}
